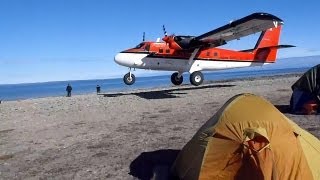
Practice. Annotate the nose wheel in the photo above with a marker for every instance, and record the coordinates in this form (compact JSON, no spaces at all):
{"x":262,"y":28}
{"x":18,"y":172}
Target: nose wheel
{"x":129,"y":78}
{"x":196,"y":78}
{"x":175,"y":79}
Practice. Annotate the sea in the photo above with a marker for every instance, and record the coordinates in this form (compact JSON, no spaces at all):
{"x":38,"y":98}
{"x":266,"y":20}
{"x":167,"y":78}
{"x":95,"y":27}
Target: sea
{"x":9,"y":92}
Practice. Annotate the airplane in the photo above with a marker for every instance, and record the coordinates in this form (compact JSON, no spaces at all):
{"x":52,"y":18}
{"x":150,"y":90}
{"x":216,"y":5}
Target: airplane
{"x":194,"y":54}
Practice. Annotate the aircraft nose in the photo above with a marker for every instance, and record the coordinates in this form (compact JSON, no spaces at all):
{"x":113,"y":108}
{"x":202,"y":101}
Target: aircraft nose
{"x":122,"y":59}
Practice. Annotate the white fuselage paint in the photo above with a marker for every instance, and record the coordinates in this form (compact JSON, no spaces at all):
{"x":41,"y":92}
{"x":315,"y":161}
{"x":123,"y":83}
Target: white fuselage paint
{"x":141,"y":61}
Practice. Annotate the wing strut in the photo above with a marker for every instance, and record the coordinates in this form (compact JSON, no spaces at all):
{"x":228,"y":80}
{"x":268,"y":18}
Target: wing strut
{"x":193,"y":55}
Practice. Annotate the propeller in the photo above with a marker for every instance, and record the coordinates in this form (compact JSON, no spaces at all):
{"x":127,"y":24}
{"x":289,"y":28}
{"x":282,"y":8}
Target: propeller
{"x":164,"y":30}
{"x":143,"y":37}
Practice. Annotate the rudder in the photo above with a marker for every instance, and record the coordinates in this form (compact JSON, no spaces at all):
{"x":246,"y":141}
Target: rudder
{"x":267,"y":45}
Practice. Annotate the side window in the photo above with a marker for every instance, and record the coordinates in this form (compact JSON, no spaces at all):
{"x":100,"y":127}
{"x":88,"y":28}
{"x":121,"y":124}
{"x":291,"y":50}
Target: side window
{"x":208,"y":53}
{"x":215,"y":54}
{"x":160,"y":50}
{"x":167,"y":51}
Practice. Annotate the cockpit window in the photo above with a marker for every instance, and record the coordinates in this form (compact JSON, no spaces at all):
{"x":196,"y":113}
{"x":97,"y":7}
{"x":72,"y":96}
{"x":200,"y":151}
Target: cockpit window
{"x":139,"y":45}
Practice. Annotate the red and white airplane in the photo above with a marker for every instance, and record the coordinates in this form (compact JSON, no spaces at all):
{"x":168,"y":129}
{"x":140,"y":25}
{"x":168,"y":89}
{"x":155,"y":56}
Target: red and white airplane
{"x":194,"y":54}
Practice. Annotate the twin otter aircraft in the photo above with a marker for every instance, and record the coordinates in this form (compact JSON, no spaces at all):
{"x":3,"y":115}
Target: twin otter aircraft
{"x":194,"y":54}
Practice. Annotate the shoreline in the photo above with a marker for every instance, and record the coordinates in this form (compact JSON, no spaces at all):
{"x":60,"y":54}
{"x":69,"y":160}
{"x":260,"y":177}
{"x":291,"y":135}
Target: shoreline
{"x":137,"y":88}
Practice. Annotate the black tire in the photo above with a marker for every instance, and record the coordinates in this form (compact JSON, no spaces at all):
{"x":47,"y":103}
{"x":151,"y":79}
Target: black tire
{"x":196,"y":78}
{"x":127,"y":80}
{"x":175,"y":80}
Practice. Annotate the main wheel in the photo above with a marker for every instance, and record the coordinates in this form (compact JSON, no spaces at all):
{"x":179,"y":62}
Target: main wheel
{"x":196,"y":78}
{"x":129,"y":80}
{"x":175,"y":79}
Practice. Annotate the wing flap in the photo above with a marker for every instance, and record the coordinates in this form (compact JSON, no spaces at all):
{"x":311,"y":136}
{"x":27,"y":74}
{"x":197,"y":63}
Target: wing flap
{"x":251,"y":24}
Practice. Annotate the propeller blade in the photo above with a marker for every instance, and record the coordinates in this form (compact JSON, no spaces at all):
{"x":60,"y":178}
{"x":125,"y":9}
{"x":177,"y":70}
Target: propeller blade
{"x":164,"y":30}
{"x":143,"y":37}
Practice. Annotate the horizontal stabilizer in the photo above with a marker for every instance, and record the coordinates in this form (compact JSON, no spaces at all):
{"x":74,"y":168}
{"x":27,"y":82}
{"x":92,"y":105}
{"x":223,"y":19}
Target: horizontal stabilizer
{"x":270,"y":47}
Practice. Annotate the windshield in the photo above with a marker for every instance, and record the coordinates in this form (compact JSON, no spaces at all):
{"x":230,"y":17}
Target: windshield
{"x":139,"y":45}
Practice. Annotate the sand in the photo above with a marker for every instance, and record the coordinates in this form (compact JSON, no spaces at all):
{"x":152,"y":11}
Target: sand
{"x":102,"y":136}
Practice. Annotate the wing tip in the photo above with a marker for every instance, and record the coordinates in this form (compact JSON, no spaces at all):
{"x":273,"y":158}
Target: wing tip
{"x":263,"y":15}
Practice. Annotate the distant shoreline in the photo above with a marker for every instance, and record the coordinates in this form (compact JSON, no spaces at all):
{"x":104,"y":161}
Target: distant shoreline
{"x":170,"y":87}
{"x":260,"y":77}
{"x":209,"y":82}
{"x":227,"y":71}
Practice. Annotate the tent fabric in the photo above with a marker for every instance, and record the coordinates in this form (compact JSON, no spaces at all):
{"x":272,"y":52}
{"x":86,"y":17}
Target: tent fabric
{"x":309,"y":82}
{"x":248,"y":138}
{"x":298,"y":99}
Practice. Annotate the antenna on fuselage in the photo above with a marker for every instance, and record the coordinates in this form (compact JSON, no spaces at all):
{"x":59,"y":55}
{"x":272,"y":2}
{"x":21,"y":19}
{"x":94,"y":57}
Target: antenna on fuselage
{"x":143,"y":37}
{"x":164,"y":30}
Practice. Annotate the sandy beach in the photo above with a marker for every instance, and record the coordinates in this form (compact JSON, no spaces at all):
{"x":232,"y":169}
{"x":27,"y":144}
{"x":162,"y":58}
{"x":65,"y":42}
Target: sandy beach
{"x":102,"y":136}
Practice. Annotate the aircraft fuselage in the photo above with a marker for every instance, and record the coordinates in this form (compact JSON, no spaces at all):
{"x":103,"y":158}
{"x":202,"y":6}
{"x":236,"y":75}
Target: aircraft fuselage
{"x":194,"y":54}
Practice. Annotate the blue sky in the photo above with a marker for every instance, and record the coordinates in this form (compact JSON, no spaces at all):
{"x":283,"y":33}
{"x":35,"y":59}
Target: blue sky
{"x":54,"y":40}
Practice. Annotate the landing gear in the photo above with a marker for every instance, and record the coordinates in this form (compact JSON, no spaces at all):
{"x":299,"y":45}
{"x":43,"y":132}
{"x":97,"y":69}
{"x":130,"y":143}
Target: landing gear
{"x":129,"y":78}
{"x":175,"y":79}
{"x":196,"y":78}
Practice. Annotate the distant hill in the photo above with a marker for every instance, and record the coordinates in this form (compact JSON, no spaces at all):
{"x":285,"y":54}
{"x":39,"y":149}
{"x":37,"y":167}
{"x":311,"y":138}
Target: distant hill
{"x":295,"y":62}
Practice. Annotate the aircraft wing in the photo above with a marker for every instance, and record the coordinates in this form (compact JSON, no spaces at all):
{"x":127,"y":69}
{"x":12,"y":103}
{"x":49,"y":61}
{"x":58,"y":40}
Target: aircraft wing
{"x":251,"y":24}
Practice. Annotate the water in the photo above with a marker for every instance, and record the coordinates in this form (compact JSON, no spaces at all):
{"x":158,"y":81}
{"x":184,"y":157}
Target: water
{"x":36,"y":90}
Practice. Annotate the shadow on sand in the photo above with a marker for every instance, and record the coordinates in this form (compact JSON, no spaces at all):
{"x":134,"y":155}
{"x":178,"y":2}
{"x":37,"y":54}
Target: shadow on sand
{"x":154,"y":165}
{"x":163,"y":94}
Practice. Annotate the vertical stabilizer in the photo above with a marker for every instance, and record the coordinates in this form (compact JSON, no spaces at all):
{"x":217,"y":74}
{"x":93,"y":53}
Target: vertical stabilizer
{"x":267,"y":45}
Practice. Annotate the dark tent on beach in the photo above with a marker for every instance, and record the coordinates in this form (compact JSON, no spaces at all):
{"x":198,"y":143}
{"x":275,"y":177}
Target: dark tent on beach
{"x":306,"y":92}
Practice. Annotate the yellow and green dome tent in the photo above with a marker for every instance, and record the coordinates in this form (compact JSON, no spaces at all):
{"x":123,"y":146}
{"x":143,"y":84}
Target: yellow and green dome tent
{"x":248,"y":138}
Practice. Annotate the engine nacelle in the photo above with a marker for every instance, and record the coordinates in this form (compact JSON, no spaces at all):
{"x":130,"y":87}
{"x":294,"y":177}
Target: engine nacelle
{"x":181,"y":42}
{"x":190,"y":42}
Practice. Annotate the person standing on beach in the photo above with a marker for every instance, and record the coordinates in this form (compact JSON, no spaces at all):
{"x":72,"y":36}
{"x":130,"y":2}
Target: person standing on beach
{"x":69,"y":89}
{"x":98,"y":89}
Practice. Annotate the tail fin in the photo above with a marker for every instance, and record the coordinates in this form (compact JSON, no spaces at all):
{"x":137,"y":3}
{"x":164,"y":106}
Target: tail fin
{"x":267,"y":45}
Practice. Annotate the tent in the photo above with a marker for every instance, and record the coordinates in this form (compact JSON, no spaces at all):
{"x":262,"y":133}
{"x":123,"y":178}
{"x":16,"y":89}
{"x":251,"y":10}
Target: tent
{"x":306,"y":89}
{"x":248,"y":138}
